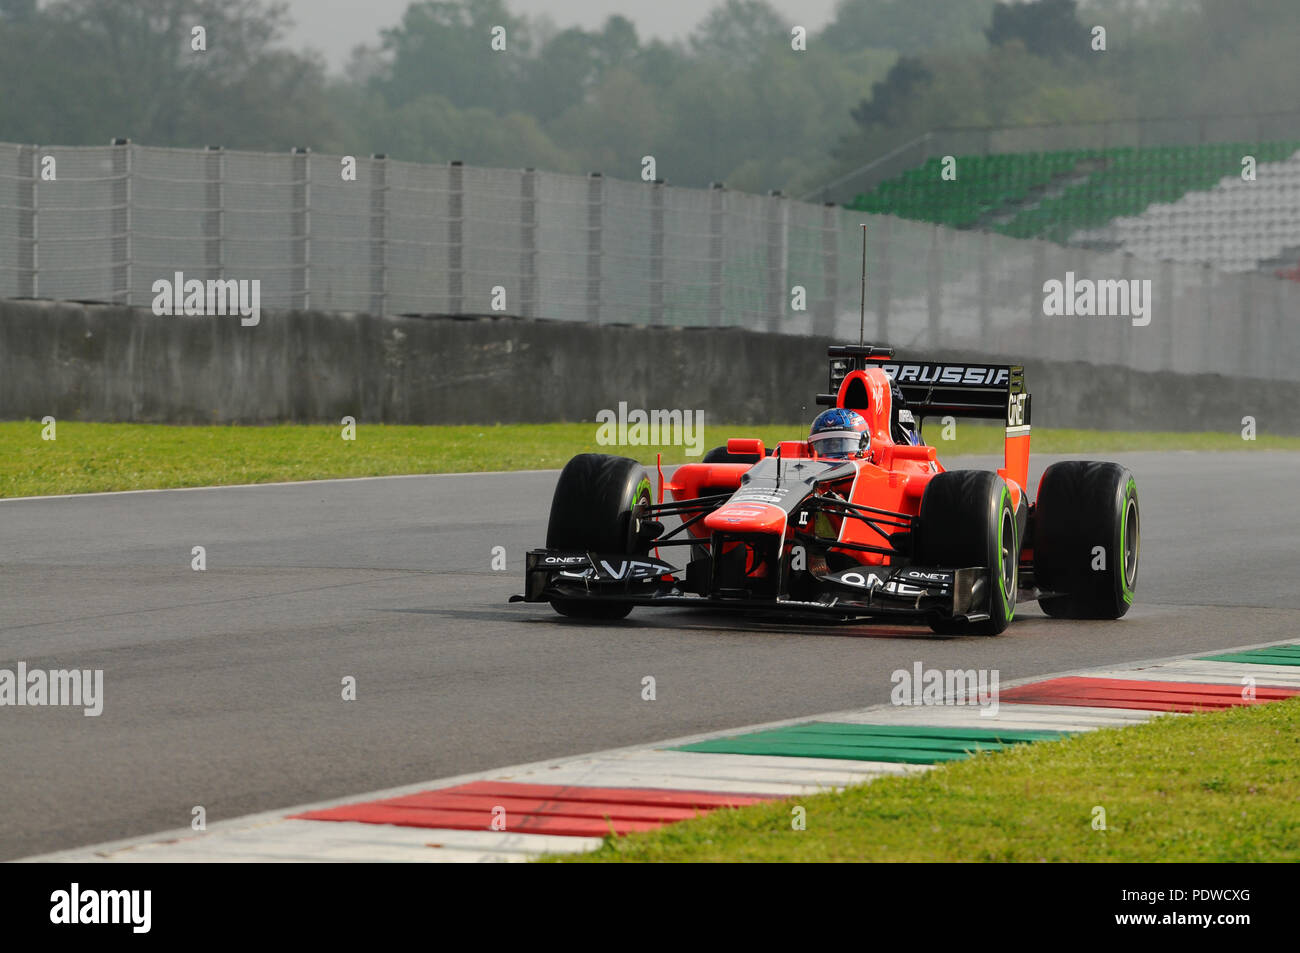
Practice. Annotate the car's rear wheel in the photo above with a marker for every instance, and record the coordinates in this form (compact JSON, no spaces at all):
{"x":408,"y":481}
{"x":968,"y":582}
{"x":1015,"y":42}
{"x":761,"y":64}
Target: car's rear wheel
{"x":1087,"y":539}
{"x":593,"y":510}
{"x":967,"y":519}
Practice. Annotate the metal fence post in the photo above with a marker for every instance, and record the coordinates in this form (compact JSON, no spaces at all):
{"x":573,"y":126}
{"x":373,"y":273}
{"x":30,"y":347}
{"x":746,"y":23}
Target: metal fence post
{"x":1283,"y":346}
{"x":881,"y":279}
{"x":657,"y":252}
{"x":595,"y":227}
{"x":933,"y":286}
{"x":528,"y":244}
{"x":213,"y":219}
{"x":778,"y":213}
{"x":300,"y":232}
{"x":1249,"y":316}
{"x":1280,"y":358}
{"x":717,"y":224}
{"x":28,"y":174}
{"x":1121,"y":355}
{"x":1207,"y":320}
{"x":828,"y":308}
{"x":378,"y":234}
{"x":1166,"y":315}
{"x":1038,"y":328}
{"x":121,"y":218}
{"x":456,"y":237}
{"x":983,"y":292}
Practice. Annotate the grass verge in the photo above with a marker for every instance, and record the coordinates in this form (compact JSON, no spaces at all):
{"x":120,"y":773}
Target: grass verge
{"x":1223,"y":786}
{"x":91,"y":457}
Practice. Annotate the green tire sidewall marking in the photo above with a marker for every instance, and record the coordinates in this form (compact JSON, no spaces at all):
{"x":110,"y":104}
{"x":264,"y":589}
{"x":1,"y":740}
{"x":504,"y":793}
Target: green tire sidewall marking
{"x":1130,"y":492}
{"x":633,"y":523}
{"x":1008,"y":603}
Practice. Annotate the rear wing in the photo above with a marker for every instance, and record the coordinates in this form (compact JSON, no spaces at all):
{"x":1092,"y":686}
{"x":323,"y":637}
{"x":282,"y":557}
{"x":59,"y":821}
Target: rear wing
{"x":939,"y":388}
{"x":947,"y":389}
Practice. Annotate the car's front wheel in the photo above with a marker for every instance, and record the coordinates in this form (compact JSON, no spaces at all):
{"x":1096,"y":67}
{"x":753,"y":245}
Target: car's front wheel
{"x":967,"y":519}
{"x":594,"y":510}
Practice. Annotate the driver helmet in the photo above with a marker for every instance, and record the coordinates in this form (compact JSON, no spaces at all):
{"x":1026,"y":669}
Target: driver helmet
{"x":839,"y":433}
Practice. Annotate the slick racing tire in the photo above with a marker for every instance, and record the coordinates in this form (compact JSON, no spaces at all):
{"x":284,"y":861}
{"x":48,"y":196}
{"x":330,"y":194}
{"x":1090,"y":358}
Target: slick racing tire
{"x":592,"y":511}
{"x":1087,"y":538}
{"x":967,"y":519}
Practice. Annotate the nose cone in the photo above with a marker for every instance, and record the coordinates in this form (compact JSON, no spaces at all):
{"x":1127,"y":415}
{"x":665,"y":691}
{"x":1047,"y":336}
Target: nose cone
{"x":745,"y":517}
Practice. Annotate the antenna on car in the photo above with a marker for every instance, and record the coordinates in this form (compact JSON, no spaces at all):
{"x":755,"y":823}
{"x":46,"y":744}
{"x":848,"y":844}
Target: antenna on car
{"x":862,"y":307}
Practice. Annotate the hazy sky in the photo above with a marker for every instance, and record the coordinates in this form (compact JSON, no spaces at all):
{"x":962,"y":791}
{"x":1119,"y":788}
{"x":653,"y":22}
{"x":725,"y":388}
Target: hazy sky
{"x":335,"y":26}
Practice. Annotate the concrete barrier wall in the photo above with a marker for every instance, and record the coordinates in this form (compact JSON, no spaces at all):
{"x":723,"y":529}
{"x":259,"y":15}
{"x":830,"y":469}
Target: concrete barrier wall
{"x":96,"y":362}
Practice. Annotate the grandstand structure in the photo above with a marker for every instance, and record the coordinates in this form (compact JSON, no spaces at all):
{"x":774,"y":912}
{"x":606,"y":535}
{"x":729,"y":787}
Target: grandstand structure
{"x":1183,"y":204}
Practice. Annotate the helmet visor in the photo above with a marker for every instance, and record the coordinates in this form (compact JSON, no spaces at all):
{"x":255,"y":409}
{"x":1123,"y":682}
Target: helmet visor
{"x":838,"y":443}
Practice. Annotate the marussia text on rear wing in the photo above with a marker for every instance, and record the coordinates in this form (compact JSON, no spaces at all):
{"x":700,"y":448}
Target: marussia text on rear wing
{"x":939,"y":388}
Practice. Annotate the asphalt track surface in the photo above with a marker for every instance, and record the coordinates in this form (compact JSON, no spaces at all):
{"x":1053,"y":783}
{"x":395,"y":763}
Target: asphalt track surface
{"x":223,"y":687}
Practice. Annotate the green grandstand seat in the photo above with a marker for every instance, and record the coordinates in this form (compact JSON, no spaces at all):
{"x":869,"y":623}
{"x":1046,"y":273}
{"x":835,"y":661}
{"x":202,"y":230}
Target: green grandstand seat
{"x":1127,"y":181}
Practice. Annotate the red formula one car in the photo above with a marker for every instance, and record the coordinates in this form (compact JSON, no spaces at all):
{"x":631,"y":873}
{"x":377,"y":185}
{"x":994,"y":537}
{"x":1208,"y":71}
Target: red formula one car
{"x":881,"y":531}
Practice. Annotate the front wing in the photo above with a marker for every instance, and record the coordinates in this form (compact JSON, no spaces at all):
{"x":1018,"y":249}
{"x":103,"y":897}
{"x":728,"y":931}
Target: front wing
{"x":860,"y":593}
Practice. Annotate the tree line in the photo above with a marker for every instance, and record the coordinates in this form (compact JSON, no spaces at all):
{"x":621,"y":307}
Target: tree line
{"x":741,"y":99}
